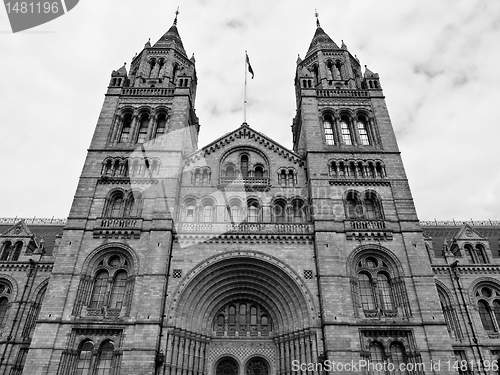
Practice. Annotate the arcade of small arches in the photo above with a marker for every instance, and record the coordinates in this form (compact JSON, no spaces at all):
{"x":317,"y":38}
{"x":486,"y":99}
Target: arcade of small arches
{"x":280,"y":210}
{"x":201,"y":176}
{"x":348,"y":129}
{"x":473,"y":253}
{"x":357,"y":169}
{"x":130,"y":167}
{"x":121,"y":204}
{"x":244,"y":169}
{"x":139,"y":126}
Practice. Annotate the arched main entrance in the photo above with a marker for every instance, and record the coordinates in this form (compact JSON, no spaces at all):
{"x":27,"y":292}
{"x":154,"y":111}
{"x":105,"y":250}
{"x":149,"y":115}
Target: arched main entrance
{"x":246,"y":305}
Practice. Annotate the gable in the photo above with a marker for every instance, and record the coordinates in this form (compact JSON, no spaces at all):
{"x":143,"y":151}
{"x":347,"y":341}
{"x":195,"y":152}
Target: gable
{"x":251,"y":138}
{"x":467,"y":233}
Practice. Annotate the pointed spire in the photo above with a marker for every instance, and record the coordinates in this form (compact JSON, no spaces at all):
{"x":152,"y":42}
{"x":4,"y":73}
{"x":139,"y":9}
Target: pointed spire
{"x":176,"y":14}
{"x":193,"y":60}
{"x":172,"y":38}
{"x":299,"y":60}
{"x":317,"y":19}
{"x":320,"y":40}
{"x":148,"y":43}
{"x":369,"y":73}
{"x":343,"y":46}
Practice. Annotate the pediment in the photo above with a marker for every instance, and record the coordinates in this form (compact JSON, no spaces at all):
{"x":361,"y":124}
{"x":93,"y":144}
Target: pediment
{"x":467,"y":233}
{"x":18,"y":230}
{"x":253,"y":138}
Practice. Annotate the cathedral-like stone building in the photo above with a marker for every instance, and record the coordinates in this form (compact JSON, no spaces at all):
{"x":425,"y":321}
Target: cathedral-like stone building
{"x":245,"y":257}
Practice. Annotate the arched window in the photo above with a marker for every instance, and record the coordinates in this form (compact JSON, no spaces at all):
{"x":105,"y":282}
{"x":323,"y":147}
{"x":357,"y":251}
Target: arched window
{"x":143,"y":129}
{"x":282,"y":177}
{"x":363,"y":131}
{"x":234,"y":211}
{"x":4,"y":305}
{"x":450,"y":315}
{"x":126,"y":127}
{"x":253,"y":211}
{"x":380,"y":290}
{"x":398,"y":358}
{"x":385,"y":292}
{"x":481,"y":254}
{"x":161,"y":125}
{"x":115,"y":208}
{"x":232,"y":315}
{"x":99,"y":290}
{"x":105,"y":358}
{"x":328,"y":128}
{"x":205,"y":176}
{"x":111,"y":289}
{"x":377,"y":357}
{"x":372,"y":207}
{"x":6,"y":249}
{"x":259,"y":172}
{"x":175,"y":71}
{"x":133,"y":206}
{"x":353,"y":207}
{"x":207,"y":212}
{"x":298,"y":211}
{"x":230,"y":173}
{"x":469,"y":254}
{"x":33,"y":314}
{"x":244,"y":166}
{"x":366,"y":294}
{"x":118,"y":290}
{"x":17,"y":251}
{"x":485,"y":314}
{"x":190,"y":210}
{"x":346,"y":131}
{"x":246,"y":317}
{"x":488,"y":302}
{"x":84,"y":358}
{"x":279,"y":212}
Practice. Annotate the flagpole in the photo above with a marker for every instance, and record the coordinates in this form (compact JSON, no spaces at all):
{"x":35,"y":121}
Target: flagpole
{"x":245,"y":92}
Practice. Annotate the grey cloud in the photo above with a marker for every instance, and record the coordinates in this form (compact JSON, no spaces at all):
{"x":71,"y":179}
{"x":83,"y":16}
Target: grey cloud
{"x":236,"y":24}
{"x":427,"y":70}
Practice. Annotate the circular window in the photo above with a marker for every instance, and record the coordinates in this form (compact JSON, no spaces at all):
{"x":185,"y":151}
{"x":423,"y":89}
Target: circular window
{"x":486,"y":292}
{"x":371,"y":262}
{"x":114,"y":261}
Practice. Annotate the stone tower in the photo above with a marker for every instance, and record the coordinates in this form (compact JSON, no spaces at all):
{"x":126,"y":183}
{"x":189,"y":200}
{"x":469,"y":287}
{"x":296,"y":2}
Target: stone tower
{"x":106,"y":295}
{"x":376,"y":287}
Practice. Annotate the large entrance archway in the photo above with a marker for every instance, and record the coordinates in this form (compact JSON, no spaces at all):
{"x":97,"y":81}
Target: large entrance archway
{"x":244,"y":305}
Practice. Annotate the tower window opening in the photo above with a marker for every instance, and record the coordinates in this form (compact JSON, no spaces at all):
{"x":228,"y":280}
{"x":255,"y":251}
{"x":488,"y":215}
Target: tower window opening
{"x":125,"y":133}
{"x":328,"y":128}
{"x":363,"y":132}
{"x":143,"y":129}
{"x":346,"y":132}
{"x":244,"y":166}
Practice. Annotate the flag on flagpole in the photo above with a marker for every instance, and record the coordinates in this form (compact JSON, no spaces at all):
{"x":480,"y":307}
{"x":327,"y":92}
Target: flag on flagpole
{"x":250,"y":70}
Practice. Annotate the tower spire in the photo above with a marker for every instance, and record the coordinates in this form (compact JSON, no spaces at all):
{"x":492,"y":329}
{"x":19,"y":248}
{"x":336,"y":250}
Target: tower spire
{"x":176,"y":14}
{"x":317,"y":19}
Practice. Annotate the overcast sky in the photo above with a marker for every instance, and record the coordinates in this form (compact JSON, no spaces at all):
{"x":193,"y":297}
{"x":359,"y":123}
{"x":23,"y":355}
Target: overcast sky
{"x":438,"y":63}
